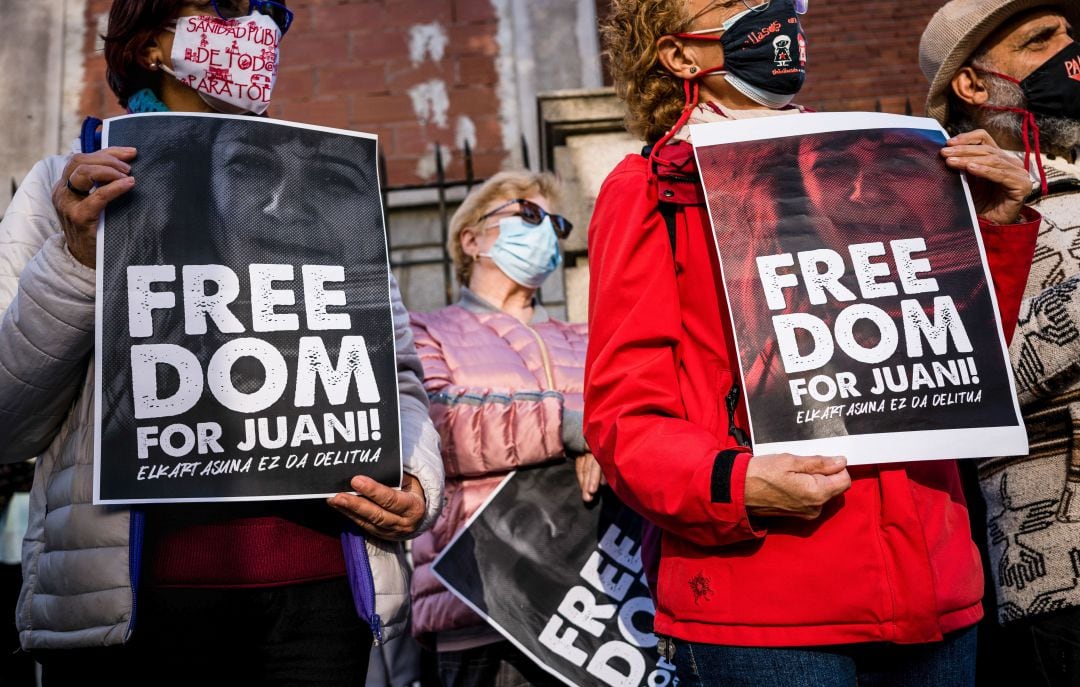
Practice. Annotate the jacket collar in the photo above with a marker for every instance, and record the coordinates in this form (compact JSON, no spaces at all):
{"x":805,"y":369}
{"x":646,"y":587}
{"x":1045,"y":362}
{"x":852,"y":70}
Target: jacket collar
{"x":677,"y":175}
{"x":475,"y":304}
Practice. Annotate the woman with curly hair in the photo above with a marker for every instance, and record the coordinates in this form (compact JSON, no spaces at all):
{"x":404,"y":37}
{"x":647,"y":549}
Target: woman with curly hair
{"x":766,"y":569}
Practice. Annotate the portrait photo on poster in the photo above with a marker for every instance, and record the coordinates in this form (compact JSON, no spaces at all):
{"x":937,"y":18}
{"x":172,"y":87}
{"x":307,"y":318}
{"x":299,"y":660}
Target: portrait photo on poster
{"x":245,"y":342}
{"x":588,"y":621}
{"x":862,"y":307}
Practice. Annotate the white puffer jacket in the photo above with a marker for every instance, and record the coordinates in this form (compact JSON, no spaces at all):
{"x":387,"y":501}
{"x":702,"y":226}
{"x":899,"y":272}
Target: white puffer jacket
{"x":76,"y":578}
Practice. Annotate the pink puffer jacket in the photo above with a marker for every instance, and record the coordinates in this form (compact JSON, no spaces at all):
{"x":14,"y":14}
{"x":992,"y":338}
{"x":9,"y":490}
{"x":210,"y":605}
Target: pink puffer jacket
{"x":503,"y":395}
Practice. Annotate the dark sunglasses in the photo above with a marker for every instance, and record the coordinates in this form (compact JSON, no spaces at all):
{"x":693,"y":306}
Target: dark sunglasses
{"x":231,"y":9}
{"x":534,"y":214}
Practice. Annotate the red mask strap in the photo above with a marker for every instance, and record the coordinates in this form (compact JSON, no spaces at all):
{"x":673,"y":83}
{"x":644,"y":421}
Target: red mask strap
{"x":690,"y":92}
{"x":1030,"y":133}
{"x":697,"y":37}
{"x":999,"y":75}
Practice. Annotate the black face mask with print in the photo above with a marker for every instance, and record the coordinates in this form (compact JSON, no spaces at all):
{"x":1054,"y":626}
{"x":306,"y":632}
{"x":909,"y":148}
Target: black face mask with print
{"x":1054,"y":88}
{"x":767,"y":49}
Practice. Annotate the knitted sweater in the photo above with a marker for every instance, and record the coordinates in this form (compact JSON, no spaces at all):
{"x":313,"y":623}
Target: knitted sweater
{"x":1033,"y":501}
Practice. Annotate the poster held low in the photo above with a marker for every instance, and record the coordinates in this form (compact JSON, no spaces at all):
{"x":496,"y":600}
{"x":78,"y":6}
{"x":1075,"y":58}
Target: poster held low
{"x":587,"y":620}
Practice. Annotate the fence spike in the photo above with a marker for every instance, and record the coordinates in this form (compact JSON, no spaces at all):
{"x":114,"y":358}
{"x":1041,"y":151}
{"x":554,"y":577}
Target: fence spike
{"x":444,"y":225}
{"x":468,"y":166}
{"x":525,"y":152}
{"x":384,"y":190}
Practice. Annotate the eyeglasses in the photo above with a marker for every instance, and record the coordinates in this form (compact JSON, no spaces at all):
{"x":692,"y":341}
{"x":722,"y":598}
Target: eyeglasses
{"x":801,"y":6}
{"x":231,"y":9}
{"x":534,"y":214}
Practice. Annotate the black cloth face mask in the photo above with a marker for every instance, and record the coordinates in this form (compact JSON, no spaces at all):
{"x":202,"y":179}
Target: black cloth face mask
{"x":1054,"y":88}
{"x":765,"y":50}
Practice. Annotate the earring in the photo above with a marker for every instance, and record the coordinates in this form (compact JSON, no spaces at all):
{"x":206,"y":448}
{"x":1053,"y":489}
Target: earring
{"x":693,"y":70}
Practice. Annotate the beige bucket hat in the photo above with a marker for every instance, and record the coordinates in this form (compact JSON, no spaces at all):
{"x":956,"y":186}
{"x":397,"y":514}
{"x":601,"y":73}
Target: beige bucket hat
{"x":956,"y":31}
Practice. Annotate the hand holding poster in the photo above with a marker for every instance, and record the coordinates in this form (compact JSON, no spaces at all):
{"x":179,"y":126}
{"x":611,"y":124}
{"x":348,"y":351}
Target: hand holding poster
{"x":861,"y":301}
{"x":561,"y":580}
{"x":245,"y":344}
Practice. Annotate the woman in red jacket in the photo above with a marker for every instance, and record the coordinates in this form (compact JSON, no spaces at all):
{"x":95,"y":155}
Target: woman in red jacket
{"x":768,"y":569}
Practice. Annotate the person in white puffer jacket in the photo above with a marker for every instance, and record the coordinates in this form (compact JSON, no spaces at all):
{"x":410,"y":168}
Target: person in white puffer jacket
{"x":287,"y":614}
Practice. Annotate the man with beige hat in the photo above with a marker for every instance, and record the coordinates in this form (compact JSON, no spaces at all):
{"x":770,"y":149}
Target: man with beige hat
{"x":1012,"y":67}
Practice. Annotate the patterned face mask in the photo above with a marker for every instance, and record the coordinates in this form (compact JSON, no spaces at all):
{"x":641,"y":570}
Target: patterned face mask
{"x":764,"y":52}
{"x":231,"y":63}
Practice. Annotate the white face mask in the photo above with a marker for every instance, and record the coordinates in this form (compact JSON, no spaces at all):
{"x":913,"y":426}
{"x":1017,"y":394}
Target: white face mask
{"x":231,"y":63}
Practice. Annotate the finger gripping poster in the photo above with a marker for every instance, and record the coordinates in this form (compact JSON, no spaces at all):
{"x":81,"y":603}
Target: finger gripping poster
{"x":245,"y":342}
{"x":860,"y":297}
{"x":564,"y":582}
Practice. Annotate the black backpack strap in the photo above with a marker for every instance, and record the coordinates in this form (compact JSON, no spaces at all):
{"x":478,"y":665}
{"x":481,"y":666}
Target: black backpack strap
{"x":667,"y":210}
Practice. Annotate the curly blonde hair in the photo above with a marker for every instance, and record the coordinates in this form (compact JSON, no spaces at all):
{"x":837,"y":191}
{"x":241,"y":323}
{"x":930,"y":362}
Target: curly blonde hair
{"x":653,"y":95}
{"x":509,"y":185}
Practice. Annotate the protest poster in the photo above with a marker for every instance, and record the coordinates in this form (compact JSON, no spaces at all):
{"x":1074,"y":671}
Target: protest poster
{"x":245,"y":343}
{"x":861,"y":302}
{"x":560,"y":579}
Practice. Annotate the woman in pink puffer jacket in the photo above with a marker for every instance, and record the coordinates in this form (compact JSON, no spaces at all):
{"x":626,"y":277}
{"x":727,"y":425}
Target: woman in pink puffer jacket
{"x":505,"y":384}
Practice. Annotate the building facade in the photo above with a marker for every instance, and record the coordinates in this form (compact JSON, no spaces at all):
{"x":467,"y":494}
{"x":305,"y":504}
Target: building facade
{"x":448,"y":76}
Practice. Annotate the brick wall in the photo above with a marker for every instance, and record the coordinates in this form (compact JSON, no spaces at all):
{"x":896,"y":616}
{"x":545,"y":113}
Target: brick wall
{"x":861,"y":51}
{"x":420,"y":72}
{"x":864,"y":51}
{"x":414,"y":72}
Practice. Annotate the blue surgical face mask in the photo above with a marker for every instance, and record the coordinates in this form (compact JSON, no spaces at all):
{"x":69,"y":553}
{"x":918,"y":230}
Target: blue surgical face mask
{"x":527,"y":253}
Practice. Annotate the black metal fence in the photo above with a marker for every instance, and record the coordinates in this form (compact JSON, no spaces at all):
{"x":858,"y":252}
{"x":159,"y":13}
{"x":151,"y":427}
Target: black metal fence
{"x":441,"y":186}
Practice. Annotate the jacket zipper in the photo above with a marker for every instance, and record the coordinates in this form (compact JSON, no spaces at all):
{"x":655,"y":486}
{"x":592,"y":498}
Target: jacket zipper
{"x":732,"y":403}
{"x":361,"y":579}
{"x":137,"y":524}
{"x":543,"y":357}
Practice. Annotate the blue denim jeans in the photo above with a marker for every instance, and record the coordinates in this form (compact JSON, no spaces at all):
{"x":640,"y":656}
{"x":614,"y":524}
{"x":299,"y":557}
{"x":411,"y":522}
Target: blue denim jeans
{"x":492,"y":665}
{"x":949,"y":663}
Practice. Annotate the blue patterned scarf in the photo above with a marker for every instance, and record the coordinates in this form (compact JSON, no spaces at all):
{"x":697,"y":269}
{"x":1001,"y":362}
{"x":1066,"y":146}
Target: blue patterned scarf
{"x":145,"y":101}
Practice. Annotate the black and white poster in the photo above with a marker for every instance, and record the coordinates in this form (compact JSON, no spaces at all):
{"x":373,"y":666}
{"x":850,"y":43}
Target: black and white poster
{"x":560,"y":579}
{"x":861,"y":301}
{"x":245,"y":343}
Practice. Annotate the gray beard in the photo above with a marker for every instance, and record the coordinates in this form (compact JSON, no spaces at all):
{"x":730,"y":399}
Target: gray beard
{"x":1059,"y":135}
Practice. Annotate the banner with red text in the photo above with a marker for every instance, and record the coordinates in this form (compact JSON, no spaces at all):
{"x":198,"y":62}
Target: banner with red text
{"x":562,"y":580}
{"x":245,"y":342}
{"x":860,"y":297}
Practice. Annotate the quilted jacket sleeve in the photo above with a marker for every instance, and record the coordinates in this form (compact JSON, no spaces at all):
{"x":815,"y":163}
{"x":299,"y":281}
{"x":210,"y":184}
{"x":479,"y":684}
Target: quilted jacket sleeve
{"x":659,"y":463}
{"x":419,"y":440}
{"x":485,"y":430}
{"x":47,"y":329}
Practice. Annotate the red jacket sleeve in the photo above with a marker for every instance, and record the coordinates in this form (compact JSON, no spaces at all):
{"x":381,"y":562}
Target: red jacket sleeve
{"x":660,"y":464}
{"x":1009,"y":250}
